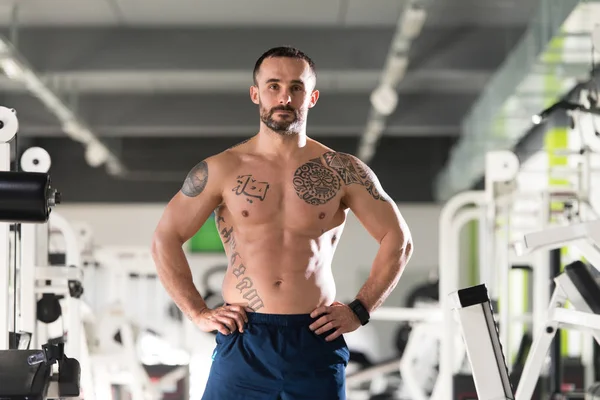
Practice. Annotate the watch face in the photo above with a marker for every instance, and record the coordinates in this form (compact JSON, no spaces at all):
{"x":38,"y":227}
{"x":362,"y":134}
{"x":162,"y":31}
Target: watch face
{"x":359,"y":307}
{"x":360,"y":311}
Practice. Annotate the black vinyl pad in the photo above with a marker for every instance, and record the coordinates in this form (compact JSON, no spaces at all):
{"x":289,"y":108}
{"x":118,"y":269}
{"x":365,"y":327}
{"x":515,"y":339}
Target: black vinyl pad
{"x":19,"y":380}
{"x":473,"y":295}
{"x":585,"y":283}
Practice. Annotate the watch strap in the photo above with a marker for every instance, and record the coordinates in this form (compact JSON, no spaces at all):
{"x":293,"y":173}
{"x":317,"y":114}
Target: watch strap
{"x":360,"y":310}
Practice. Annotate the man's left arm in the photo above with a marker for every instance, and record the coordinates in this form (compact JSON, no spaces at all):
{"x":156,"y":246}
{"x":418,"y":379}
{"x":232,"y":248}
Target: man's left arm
{"x":380,"y":216}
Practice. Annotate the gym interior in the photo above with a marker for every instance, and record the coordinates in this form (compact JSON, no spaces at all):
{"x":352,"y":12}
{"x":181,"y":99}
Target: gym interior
{"x":481,"y":119}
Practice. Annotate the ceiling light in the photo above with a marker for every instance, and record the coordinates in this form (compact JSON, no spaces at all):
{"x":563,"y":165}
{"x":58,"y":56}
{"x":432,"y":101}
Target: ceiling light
{"x":384,"y":100}
{"x":12,"y":69}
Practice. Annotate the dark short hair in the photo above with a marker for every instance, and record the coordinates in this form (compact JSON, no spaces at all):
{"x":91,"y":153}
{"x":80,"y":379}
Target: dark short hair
{"x":283,"y":51}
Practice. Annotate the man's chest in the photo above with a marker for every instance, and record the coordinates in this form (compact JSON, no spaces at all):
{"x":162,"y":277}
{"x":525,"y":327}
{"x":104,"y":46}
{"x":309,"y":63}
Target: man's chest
{"x":306,"y":189}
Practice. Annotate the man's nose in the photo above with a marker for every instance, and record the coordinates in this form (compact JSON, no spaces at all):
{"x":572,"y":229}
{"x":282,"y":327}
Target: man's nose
{"x":285,"y":98}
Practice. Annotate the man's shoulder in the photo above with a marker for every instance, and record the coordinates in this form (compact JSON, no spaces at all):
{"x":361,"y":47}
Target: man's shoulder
{"x":337,"y":159}
{"x":349,"y":167}
{"x":218,"y":165}
{"x":224,"y":161}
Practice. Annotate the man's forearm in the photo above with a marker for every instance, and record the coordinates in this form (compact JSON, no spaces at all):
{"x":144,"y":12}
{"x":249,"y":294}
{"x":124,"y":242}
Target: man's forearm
{"x":176,"y":276}
{"x":389,"y":263}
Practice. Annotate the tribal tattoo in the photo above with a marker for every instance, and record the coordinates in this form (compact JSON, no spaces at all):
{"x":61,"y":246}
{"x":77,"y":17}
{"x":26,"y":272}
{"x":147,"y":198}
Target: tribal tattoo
{"x":314,"y":183}
{"x":196,"y":179}
{"x":352,"y":170}
{"x":250,"y":188}
{"x":317,"y":182}
{"x":343,"y":166}
{"x":369,"y":181}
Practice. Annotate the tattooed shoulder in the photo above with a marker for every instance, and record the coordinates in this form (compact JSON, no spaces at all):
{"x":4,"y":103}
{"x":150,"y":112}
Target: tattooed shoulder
{"x":196,"y":180}
{"x":352,"y":171}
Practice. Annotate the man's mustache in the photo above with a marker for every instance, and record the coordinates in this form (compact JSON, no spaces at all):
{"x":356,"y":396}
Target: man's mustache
{"x":282,"y":108}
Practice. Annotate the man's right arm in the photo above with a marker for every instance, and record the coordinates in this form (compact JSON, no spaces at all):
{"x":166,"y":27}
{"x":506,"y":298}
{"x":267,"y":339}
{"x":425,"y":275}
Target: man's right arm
{"x":187,"y":211}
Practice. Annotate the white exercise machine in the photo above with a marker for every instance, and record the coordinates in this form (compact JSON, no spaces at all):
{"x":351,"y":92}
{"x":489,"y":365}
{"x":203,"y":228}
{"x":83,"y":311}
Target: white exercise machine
{"x":435,"y":325}
{"x":26,"y":201}
{"x":584,"y":236}
{"x":132,"y":325}
{"x":576,"y":285}
{"x":501,"y":169}
{"x":482,"y":341}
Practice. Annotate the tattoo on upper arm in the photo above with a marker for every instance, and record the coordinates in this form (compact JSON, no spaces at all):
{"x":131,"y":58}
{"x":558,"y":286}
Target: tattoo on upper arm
{"x":249,"y":187}
{"x":342,"y":164}
{"x":354,"y":171}
{"x":370,"y":182}
{"x":314,"y":183}
{"x":196,"y":179}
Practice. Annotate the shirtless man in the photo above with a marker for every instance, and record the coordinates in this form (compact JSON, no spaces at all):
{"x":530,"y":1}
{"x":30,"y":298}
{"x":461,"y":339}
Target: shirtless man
{"x":280,"y":200}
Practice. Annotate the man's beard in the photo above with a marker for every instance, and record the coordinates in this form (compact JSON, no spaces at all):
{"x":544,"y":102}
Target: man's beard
{"x":284,"y":126}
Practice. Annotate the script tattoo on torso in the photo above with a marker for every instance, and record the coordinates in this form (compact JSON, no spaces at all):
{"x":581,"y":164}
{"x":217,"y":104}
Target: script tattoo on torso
{"x":251,"y":188}
{"x":227,"y":233}
{"x":244,"y":282}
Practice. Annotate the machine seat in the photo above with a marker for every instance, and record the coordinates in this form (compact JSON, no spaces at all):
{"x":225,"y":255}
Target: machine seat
{"x":579,"y":273}
{"x":19,"y":380}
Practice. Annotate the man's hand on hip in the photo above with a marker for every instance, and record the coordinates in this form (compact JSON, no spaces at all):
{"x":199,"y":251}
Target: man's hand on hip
{"x":225,"y":319}
{"x":337,"y":316}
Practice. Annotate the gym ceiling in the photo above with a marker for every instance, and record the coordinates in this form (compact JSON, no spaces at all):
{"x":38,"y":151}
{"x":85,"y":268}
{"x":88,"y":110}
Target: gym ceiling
{"x":164,"y":83}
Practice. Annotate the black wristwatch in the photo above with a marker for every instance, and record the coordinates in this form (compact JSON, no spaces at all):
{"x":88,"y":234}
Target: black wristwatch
{"x":360,"y":311}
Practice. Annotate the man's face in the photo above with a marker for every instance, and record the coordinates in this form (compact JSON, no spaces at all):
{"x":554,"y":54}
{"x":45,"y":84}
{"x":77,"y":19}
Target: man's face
{"x":284,"y":93}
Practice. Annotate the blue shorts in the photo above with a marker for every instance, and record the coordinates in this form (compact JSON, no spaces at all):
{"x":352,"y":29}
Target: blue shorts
{"x":277,"y":357}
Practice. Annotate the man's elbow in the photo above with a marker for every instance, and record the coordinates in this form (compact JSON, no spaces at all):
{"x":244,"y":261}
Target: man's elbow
{"x":404,"y":245}
{"x":406,"y":250}
{"x":162,"y":241}
{"x":155,"y":244}
{"x":399,"y":244}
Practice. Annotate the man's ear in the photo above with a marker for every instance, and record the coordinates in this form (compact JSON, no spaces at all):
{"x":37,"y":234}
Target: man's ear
{"x":254,"y":94}
{"x":314,"y":96}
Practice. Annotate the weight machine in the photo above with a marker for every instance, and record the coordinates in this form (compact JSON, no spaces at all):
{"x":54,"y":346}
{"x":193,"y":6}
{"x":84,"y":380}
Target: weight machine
{"x":575,"y":226}
{"x":490,"y":374}
{"x":433,"y":324}
{"x":135,"y":312}
{"x":484,"y":206}
{"x":502,"y":197}
{"x":26,"y":198}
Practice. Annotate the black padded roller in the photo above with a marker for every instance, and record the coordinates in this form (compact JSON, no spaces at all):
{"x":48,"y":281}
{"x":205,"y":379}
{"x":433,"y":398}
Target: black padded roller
{"x":25,"y":197}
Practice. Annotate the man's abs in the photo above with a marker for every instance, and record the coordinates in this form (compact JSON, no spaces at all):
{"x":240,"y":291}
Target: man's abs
{"x":273,"y":280}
